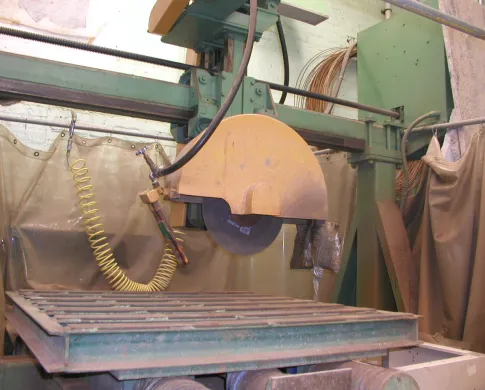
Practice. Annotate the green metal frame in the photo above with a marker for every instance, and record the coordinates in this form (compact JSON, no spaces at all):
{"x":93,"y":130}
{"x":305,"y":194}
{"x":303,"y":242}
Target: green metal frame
{"x":391,"y":54}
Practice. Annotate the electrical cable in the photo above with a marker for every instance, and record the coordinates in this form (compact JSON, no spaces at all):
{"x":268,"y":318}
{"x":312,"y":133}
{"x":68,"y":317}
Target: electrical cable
{"x":415,"y":171}
{"x":286,"y":59}
{"x":405,"y":167}
{"x":351,"y":52}
{"x":324,"y":74}
{"x":103,"y":253}
{"x":303,"y":81}
{"x":207,"y":134}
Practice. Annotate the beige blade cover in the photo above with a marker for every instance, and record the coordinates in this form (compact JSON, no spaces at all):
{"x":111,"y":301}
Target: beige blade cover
{"x":258,"y":165}
{"x":164,"y":15}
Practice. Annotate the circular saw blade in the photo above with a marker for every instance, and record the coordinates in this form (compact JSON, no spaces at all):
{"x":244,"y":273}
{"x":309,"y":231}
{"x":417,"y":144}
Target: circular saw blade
{"x":242,"y":235}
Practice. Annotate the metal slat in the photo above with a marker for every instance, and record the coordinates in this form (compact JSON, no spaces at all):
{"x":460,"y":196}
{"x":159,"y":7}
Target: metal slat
{"x":136,"y":335}
{"x":43,"y":300}
{"x":100,"y":318}
{"x":173,"y":309}
{"x":159,"y":303}
{"x":109,"y":294}
{"x":230,"y":323}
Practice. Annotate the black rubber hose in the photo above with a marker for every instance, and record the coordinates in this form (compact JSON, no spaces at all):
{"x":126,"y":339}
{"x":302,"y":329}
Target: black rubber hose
{"x":286,"y":59}
{"x":207,"y":134}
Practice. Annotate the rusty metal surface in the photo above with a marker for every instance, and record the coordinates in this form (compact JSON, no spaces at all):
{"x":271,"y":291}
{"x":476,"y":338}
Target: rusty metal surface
{"x":140,"y":335}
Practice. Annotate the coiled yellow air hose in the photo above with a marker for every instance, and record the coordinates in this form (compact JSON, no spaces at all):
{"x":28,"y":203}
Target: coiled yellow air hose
{"x":103,"y":253}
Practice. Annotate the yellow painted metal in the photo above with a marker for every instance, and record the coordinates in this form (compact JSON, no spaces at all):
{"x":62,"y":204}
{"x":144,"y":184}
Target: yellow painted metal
{"x":258,"y":165}
{"x":164,"y":15}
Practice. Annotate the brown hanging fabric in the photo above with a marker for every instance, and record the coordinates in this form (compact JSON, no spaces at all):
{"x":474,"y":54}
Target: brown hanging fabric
{"x":451,"y":250}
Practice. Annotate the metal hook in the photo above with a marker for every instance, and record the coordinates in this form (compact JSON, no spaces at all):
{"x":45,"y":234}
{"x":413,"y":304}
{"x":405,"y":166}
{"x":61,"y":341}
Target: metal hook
{"x":151,"y":164}
{"x":72,"y":127}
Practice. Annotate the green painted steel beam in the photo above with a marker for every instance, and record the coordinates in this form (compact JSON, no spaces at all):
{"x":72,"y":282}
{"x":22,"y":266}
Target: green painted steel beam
{"x":375,"y":181}
{"x":73,"y":86}
{"x":324,"y":130}
{"x":367,"y":139}
{"x":315,"y":121}
{"x":92,"y":89}
{"x":27,"y":78}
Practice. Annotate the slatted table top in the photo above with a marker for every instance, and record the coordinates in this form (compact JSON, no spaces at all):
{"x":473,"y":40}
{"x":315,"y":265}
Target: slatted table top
{"x":138,"y":335}
{"x":62,"y":312}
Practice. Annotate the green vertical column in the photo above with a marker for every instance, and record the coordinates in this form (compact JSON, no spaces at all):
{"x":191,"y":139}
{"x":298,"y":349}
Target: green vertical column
{"x":376,"y":181}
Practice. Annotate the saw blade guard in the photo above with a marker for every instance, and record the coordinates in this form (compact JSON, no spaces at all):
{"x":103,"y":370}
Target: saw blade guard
{"x":259,"y":166}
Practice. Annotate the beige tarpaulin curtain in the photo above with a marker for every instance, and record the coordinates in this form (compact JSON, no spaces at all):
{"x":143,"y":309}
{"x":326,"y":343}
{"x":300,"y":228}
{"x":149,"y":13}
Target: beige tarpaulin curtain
{"x":451,"y":252}
{"x":45,"y":245}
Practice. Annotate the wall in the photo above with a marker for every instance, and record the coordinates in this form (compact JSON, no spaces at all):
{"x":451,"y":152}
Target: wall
{"x":126,"y":30}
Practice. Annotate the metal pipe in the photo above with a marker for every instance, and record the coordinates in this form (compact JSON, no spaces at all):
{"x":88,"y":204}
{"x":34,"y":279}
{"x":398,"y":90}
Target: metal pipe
{"x":86,"y":128}
{"x":407,"y":132}
{"x":452,"y":125}
{"x":440,"y":17}
{"x":322,"y":152}
{"x":387,"y":10}
{"x":331,"y":99}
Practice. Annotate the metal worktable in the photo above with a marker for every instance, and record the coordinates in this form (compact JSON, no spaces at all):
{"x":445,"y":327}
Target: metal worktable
{"x":135,"y":335}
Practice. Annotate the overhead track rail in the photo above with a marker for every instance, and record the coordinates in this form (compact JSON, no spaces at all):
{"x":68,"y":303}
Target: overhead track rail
{"x":177,"y":65}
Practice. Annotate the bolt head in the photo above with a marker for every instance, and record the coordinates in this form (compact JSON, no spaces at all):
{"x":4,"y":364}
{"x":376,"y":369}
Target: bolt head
{"x":142,"y":151}
{"x":259,"y":91}
{"x":202,"y":79}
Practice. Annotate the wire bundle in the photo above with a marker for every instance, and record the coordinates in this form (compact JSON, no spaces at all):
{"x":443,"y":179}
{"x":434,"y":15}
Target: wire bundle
{"x":416,"y":169}
{"x":324,"y":74}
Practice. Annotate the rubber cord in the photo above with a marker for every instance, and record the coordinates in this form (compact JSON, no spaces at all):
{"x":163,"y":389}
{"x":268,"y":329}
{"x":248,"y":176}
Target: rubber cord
{"x":207,"y":134}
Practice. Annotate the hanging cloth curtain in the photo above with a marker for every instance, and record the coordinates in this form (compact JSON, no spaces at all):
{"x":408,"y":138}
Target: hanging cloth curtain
{"x":451,"y":251}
